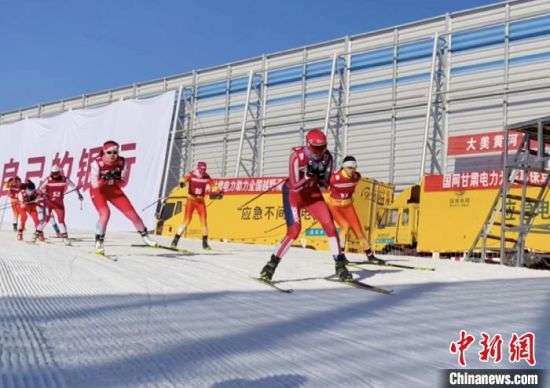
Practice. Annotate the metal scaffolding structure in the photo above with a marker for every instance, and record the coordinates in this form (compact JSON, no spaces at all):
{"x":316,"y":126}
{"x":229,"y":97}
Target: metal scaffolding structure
{"x":533,"y":156}
{"x":437,"y":106}
{"x":335,"y":126}
{"x":251,"y":127}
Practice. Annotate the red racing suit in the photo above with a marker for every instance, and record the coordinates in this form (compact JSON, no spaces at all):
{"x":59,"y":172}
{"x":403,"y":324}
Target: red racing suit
{"x":302,"y":190}
{"x":341,"y":207}
{"x":195,"y":202}
{"x":14,"y":188}
{"x":107,"y":181}
{"x":54,"y":193}
{"x":27,"y":204}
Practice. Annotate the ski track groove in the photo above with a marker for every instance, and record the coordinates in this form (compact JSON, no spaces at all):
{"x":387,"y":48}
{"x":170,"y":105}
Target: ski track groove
{"x":28,"y":333}
{"x":208,"y":346}
{"x":275,"y":355}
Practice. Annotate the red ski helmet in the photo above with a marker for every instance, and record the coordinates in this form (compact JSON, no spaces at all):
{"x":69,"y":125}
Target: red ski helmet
{"x":316,"y":142}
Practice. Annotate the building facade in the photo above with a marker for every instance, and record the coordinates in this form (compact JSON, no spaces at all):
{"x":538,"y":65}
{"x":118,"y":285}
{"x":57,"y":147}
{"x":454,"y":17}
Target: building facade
{"x":392,"y":98}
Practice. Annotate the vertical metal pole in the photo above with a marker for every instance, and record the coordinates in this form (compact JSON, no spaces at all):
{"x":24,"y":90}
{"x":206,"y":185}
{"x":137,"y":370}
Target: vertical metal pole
{"x":506,"y":66}
{"x":428,"y":108}
{"x":243,"y":127}
{"x":189,"y":157}
{"x":261,"y":120}
{"x":257,"y":124}
{"x":264,"y":113}
{"x":226,"y":120}
{"x":504,"y":194}
{"x":541,"y":145}
{"x":523,"y":227}
{"x":303,"y":96}
{"x":393,"y":133}
{"x":446,"y":118}
{"x":330,"y":87}
{"x":172,"y":138}
{"x":347,"y":80}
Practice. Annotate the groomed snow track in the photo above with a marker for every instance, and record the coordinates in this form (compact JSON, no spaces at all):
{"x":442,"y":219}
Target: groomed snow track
{"x":155,"y":319}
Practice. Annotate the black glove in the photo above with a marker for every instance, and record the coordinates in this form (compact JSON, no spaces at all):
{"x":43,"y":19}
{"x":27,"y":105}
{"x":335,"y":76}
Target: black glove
{"x":107,"y":176}
{"x":80,"y":197}
{"x":311,"y":171}
{"x":182,"y":185}
{"x":113,"y":175}
{"x":117,"y":175}
{"x":317,"y":169}
{"x":218,"y":195}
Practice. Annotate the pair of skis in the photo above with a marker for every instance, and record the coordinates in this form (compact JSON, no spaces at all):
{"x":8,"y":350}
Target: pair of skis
{"x":351,"y":282}
{"x":184,"y":252}
{"x":106,"y":256}
{"x":181,"y":251}
{"x":384,"y":263}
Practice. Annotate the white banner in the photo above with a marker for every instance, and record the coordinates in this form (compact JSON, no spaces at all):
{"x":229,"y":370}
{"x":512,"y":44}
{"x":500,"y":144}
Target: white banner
{"x":72,"y":139}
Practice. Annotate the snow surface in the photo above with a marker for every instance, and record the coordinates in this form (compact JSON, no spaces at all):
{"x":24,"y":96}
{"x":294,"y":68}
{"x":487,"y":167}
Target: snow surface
{"x":153,"y":319}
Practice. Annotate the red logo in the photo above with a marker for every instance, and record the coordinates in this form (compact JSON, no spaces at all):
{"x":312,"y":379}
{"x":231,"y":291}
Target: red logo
{"x":519,"y":347}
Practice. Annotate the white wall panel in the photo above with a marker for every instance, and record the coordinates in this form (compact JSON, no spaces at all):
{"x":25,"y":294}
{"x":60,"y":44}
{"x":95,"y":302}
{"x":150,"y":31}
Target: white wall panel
{"x":480,"y":18}
{"x":370,"y":144}
{"x":523,"y":9}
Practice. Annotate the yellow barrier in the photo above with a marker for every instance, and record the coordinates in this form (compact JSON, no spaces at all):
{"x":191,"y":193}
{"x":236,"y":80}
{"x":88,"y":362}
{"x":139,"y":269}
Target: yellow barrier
{"x":450,"y":220}
{"x":446,"y":213}
{"x":262,"y":221}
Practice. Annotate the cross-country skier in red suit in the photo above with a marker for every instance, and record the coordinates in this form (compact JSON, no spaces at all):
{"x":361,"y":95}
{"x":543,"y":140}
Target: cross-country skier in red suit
{"x":14,"y":186}
{"x":310,"y":167}
{"x":53,"y":189}
{"x":198,"y":180}
{"x":109,"y":174}
{"x":27,"y":201}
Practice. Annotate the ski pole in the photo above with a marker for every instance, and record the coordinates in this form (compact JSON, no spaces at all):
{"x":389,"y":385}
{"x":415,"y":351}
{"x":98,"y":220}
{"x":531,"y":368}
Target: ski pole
{"x":274,"y":228}
{"x":26,"y":203}
{"x":262,"y":193}
{"x":70,"y":191}
{"x":162,"y":199}
{"x":311,"y":226}
{"x":154,"y":203}
{"x":4,"y":211}
{"x":284,"y":223}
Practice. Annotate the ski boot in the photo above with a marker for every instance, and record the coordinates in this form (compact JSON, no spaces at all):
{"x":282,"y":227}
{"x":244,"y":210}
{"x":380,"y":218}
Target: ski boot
{"x":99,"y":248}
{"x":342,"y":272}
{"x":205,"y":245}
{"x":174,"y":243}
{"x":269,"y":268}
{"x":20,"y":235}
{"x":66,"y":239}
{"x":371,"y":258}
{"x":38,"y":235}
{"x":15,"y":227}
{"x":145,"y":237}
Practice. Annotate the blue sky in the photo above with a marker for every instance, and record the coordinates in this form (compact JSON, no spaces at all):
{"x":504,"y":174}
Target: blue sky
{"x":55,"y":49}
